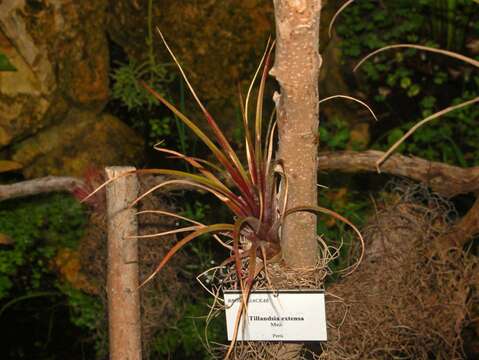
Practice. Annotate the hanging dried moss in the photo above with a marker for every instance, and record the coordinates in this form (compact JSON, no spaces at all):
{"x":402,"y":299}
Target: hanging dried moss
{"x":403,"y":302}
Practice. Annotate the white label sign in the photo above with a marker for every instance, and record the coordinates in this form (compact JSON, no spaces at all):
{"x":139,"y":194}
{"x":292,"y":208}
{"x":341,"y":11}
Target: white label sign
{"x":282,"y":315}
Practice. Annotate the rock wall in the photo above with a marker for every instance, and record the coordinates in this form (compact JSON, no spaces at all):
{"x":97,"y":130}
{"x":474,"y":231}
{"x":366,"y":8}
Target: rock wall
{"x":220,"y":42}
{"x":60,"y":51}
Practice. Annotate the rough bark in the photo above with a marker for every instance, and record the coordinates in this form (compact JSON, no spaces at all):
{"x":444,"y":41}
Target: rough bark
{"x":122,"y":276}
{"x":296,"y":68}
{"x":444,"y":179}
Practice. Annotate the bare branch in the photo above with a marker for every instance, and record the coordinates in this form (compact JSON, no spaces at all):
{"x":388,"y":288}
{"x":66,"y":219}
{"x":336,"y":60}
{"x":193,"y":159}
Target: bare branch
{"x":39,"y":186}
{"x":444,"y":179}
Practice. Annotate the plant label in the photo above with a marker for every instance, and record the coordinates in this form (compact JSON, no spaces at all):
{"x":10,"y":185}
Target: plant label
{"x":277,"y":315}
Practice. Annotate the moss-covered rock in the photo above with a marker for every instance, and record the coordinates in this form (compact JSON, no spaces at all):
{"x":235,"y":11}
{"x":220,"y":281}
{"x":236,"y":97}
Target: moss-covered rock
{"x":81,"y":141}
{"x":50,"y":106}
{"x":60,"y":51}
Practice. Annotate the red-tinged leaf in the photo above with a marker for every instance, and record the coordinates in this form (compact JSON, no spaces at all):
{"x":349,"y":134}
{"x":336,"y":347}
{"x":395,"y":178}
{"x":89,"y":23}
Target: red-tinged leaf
{"x":195,"y":163}
{"x":259,"y":105}
{"x":207,"y":163}
{"x":169,"y":232}
{"x":169,"y":213}
{"x":238,"y":179}
{"x":102,"y":186}
{"x":206,"y":230}
{"x":253,"y":157}
{"x":232,"y":201}
{"x":177,"y":216}
{"x":254,"y":225}
{"x":196,"y":130}
{"x":212,"y":123}
{"x":248,"y":143}
{"x":244,"y":299}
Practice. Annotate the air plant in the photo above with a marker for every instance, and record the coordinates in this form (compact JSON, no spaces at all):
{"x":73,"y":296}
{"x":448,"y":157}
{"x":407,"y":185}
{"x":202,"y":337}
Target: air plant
{"x":257,"y":195}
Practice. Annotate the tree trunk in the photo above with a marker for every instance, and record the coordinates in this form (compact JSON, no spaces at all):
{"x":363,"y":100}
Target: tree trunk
{"x":296,"y":68}
{"x":122,"y":276}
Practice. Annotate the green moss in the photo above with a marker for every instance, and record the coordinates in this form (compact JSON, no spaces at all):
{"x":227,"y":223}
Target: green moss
{"x":187,"y":338}
{"x":409,"y":85}
{"x":38,"y":227}
{"x":5,"y":64}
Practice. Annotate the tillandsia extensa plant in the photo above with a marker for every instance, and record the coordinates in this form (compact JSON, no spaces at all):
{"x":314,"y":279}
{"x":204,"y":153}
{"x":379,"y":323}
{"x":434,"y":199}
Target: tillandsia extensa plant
{"x":259,"y":191}
{"x":256,"y":194}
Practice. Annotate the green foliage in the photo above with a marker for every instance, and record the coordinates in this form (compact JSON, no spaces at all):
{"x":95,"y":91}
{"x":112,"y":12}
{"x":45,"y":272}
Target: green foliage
{"x":5,"y":64}
{"x":86,"y":311}
{"x":409,"y":84}
{"x":335,"y":134}
{"x":353,"y":205}
{"x":37,"y":227}
{"x":127,"y":87}
{"x":187,"y":337}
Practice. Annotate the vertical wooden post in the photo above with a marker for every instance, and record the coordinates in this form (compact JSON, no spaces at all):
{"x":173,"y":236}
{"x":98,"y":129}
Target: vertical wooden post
{"x":296,"y":68}
{"x":122,"y":278}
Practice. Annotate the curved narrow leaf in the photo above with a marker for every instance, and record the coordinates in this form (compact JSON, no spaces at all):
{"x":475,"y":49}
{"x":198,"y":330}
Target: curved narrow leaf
{"x":242,"y":184}
{"x":211,"y":122}
{"x":206,"y":230}
{"x":168,"y":213}
{"x":335,"y":16}
{"x":228,"y":200}
{"x":195,"y":163}
{"x":169,"y":232}
{"x":353,"y":99}
{"x":319,"y":209}
{"x":421,"y":123}
{"x":420,"y":47}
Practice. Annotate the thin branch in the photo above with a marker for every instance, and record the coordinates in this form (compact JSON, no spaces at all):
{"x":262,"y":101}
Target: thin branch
{"x":39,"y":186}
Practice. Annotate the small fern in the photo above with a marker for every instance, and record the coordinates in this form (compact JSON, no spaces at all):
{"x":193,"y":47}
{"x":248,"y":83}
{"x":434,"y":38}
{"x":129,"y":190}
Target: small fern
{"x":127,"y":87}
